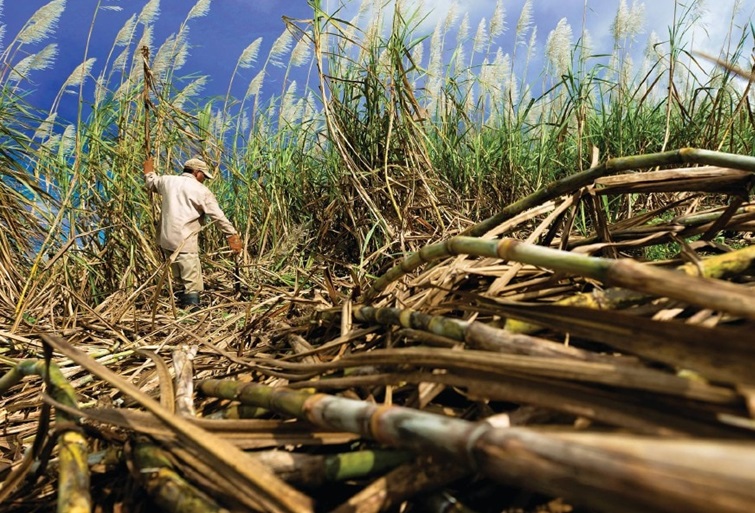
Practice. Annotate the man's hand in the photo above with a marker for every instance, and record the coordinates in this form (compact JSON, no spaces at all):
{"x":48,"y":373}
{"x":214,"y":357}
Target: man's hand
{"x":234,"y":241}
{"x":149,"y":166}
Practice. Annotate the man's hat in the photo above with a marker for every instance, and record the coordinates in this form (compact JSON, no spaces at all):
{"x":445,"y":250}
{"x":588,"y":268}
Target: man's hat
{"x":196,"y":164}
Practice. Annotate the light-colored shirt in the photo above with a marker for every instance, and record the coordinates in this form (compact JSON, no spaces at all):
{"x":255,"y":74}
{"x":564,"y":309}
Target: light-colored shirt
{"x":184,"y":203}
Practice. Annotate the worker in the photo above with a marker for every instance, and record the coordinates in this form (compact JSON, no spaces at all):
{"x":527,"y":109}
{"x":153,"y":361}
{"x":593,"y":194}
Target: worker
{"x":185,"y":203}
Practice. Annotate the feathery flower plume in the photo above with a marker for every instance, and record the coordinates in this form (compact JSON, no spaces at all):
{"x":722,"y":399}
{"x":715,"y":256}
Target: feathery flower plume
{"x":524,"y":23}
{"x":418,"y":52}
{"x":300,"y":53}
{"x":249,"y":55}
{"x":280,"y":47}
{"x":628,"y":22}
{"x":532,"y":44}
{"x":558,"y":47}
{"x":469,"y":97}
{"x":163,"y":57}
{"x":493,"y":87}
{"x":463,"y":33}
{"x":262,"y":126}
{"x":201,"y":8}
{"x":434,"y":85}
{"x":513,"y":90}
{"x":364,"y":6}
{"x":220,"y":125}
{"x":494,"y":77}
{"x":126,"y":32}
{"x":120,"y":62}
{"x":136,"y":72}
{"x":255,"y":86}
{"x":620,"y":22}
{"x":325,"y":39}
{"x":124,"y":90}
{"x":42,"y":23}
{"x":35,"y":62}
{"x":498,"y":20}
{"x":485,"y":73}
{"x":49,"y":145}
{"x":181,"y":54}
{"x":67,"y":140}
{"x":371,"y":36}
{"x":698,"y":9}
{"x":461,"y":36}
{"x":501,"y":67}
{"x":481,"y":37}
{"x":652,"y":53}
{"x":654,"y":48}
{"x":79,"y":74}
{"x":100,"y":90}
{"x":215,"y":126}
{"x":2,"y":27}
{"x":348,"y":32}
{"x":636,"y":20}
{"x":146,"y":40}
{"x":384,"y":62}
{"x":451,"y":16}
{"x":625,"y":73}
{"x":436,"y":49}
{"x":190,"y":91}
{"x":172,"y":54}
{"x":44,"y":130}
{"x":288,"y":110}
{"x":245,"y":122}
{"x":149,"y":12}
{"x":614,"y":62}
{"x":379,"y":11}
{"x":586,"y":43}
{"x":308,"y":111}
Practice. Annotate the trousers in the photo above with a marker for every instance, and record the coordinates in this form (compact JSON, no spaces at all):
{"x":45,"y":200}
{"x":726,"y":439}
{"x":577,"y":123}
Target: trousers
{"x":187,"y":272}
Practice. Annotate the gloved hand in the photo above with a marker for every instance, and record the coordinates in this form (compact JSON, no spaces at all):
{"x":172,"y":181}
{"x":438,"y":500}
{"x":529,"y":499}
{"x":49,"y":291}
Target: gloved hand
{"x":234,"y":241}
{"x":149,"y":165}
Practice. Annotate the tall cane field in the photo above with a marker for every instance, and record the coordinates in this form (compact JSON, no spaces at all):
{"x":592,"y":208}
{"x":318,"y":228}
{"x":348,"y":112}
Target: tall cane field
{"x":488,"y":266}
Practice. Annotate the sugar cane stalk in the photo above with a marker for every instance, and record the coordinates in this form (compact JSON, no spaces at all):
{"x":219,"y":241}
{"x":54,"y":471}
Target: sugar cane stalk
{"x":564,"y":186}
{"x":704,"y":292}
{"x":717,"y":266}
{"x":622,"y":473}
{"x":256,"y":486}
{"x":148,"y":84}
{"x":573,"y":182}
{"x":73,"y":486}
{"x":312,"y":470}
{"x":165,"y":485}
{"x":402,"y":483}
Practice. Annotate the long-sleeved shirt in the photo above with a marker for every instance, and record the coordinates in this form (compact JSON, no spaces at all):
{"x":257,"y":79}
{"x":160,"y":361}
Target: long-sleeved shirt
{"x":184,"y":202}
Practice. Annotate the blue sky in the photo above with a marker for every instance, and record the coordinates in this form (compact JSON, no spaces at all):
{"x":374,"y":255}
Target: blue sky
{"x":217,"y":39}
{"x":231,"y":25}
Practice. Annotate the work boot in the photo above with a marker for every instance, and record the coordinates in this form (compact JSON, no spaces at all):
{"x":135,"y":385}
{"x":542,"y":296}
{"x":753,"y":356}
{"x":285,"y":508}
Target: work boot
{"x":189,"y":301}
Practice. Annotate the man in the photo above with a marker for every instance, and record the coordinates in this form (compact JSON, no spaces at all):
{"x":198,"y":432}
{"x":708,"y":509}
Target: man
{"x":185,"y":203}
